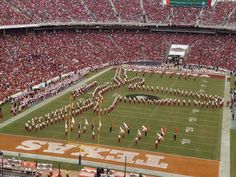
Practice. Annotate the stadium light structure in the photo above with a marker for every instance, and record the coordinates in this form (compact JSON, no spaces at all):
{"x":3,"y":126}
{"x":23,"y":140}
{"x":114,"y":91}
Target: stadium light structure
{"x":1,"y":155}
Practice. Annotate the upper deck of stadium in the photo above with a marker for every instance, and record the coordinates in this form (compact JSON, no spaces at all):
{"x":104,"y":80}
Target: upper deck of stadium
{"x":14,"y":12}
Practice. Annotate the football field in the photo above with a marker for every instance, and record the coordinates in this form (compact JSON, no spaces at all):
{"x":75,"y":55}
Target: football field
{"x":202,"y":138}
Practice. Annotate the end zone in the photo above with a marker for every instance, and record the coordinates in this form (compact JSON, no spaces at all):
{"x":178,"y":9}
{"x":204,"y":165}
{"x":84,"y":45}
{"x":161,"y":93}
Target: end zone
{"x":152,"y":163}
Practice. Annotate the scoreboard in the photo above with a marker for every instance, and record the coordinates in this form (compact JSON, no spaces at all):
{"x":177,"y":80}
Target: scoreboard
{"x":189,"y":3}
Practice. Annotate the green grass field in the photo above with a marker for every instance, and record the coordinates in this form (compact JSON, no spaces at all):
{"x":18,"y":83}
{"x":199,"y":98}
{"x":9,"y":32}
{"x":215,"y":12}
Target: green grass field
{"x":205,"y":140}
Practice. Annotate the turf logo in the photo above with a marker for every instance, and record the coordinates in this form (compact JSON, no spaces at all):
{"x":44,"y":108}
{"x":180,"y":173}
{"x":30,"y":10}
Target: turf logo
{"x":142,"y":96}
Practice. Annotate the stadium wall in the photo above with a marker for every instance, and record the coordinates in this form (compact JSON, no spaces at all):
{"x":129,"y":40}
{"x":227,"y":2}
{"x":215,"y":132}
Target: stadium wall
{"x":118,"y":26}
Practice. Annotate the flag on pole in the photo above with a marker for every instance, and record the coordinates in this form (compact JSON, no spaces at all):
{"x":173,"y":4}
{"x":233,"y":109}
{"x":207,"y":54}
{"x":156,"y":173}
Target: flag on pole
{"x":86,"y":122}
{"x":113,"y":123}
{"x":160,"y":137}
{"x":121,"y":130}
{"x":126,"y":126}
{"x":162,"y":131}
{"x":100,"y":124}
{"x":144,"y":128}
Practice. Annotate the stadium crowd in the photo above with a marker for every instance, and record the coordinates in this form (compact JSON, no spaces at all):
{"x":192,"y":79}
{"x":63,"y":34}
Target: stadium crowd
{"x":25,"y":12}
{"x":33,"y":96}
{"x":27,"y":60}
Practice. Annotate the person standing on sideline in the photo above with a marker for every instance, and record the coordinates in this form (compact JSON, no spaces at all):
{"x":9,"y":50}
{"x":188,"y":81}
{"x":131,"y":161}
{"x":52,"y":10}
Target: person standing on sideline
{"x":136,"y":141}
{"x":92,"y":127}
{"x":175,"y":137}
{"x":110,"y":128}
{"x":156,"y":143}
{"x":119,"y":138}
{"x":93,"y":135}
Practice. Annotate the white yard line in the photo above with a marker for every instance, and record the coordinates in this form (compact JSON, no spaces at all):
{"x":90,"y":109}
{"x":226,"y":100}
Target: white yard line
{"x":171,"y":121}
{"x":225,"y":137}
{"x":43,"y":103}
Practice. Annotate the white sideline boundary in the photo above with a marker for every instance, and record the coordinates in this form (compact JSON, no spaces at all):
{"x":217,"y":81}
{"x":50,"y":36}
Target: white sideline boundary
{"x":225,"y":136}
{"x":93,"y":164}
{"x":43,"y":103}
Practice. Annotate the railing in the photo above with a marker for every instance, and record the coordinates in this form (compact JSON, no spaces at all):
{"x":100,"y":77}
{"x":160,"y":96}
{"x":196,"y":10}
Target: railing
{"x":109,"y":24}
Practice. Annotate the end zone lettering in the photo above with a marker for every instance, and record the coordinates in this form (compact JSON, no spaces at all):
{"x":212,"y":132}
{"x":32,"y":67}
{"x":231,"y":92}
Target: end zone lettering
{"x":99,"y":153}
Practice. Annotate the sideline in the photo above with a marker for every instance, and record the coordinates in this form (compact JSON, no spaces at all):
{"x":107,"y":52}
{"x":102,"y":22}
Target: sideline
{"x":43,"y":103}
{"x":225,"y":136}
{"x":233,"y":122}
{"x":94,"y":164}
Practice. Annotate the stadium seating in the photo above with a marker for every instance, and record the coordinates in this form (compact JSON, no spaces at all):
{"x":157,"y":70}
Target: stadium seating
{"x":232,"y":18}
{"x":21,"y":12}
{"x":52,"y":11}
{"x":27,"y":60}
{"x":218,"y":14}
{"x":102,"y":10}
{"x":156,"y":12}
{"x":185,"y":15}
{"x":128,"y":10}
{"x":10,"y":16}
